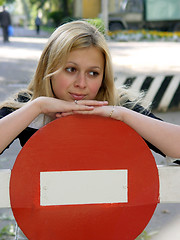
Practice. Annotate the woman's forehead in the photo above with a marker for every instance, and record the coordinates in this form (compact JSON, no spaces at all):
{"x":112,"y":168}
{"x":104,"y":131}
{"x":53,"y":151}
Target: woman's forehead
{"x":92,"y":55}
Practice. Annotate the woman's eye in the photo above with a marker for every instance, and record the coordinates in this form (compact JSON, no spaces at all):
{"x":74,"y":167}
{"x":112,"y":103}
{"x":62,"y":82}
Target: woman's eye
{"x":70,"y":69}
{"x":93,"y":73}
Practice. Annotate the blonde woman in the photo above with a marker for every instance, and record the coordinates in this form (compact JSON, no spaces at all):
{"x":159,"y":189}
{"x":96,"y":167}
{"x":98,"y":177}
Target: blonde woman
{"x":74,"y":75}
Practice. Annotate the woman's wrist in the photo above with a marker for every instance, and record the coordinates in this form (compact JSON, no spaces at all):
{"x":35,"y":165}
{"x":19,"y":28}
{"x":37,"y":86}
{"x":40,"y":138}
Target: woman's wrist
{"x":111,"y":113}
{"x":38,"y":105}
{"x":118,"y":113}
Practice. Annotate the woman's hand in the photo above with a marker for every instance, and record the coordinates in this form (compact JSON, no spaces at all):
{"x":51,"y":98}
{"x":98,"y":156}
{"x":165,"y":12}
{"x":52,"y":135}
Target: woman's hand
{"x":115,"y":112}
{"x":57,"y":108}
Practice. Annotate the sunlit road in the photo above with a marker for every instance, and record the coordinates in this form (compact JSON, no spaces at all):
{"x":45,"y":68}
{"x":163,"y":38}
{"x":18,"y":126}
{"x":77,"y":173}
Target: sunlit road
{"x":18,"y":60}
{"x":146,"y":57}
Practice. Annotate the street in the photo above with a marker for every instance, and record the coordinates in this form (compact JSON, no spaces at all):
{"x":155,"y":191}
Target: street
{"x":18,"y":60}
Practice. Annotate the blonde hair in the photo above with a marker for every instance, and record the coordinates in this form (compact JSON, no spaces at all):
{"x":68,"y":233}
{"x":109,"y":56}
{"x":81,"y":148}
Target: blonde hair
{"x":67,"y":37}
{"x":70,"y":36}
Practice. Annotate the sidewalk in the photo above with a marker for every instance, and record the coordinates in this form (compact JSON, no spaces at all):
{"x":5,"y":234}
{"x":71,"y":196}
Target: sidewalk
{"x":26,"y":32}
{"x":130,"y":58}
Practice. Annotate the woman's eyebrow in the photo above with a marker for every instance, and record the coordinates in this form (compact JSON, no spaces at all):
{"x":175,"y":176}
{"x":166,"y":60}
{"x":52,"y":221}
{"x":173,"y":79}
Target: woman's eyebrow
{"x":95,"y":66}
{"x":70,"y":62}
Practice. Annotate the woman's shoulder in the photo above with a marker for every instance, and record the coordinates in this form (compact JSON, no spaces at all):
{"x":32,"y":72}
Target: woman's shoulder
{"x":15,"y":102}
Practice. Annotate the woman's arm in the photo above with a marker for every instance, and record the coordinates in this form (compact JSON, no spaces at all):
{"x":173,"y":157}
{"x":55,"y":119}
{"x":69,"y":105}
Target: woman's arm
{"x":14,"y":123}
{"x":163,"y":135}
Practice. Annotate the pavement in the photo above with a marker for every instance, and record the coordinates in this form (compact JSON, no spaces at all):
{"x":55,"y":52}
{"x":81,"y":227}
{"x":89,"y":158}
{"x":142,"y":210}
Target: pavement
{"x":18,"y":60}
{"x":153,"y":58}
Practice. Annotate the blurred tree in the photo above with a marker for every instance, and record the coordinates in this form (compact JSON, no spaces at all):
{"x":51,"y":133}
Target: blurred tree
{"x":61,"y":11}
{"x":25,"y":5}
{"x":4,"y":2}
{"x":58,"y":4}
{"x":56,"y":10}
{"x":39,"y":3}
{"x":65,"y":7}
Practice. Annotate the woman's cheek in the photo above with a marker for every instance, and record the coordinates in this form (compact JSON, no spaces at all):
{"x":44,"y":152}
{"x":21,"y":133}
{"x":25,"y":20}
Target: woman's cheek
{"x":95,"y":88}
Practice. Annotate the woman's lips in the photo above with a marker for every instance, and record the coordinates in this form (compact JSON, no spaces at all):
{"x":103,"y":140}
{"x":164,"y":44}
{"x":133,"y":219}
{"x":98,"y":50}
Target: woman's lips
{"x":76,"y":96}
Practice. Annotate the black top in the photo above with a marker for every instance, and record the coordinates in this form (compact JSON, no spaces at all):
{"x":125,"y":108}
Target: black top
{"x":28,"y":132}
{"x":5,"y":19}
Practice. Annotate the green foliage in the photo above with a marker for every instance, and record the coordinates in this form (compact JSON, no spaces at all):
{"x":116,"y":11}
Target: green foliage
{"x":69,"y":19}
{"x":38,"y":3}
{"x":48,"y":29}
{"x":63,"y":11}
{"x":9,"y":1}
{"x":7,"y":231}
{"x":58,"y":19}
{"x":4,"y":2}
{"x":98,"y":23}
{"x":1,"y":2}
{"x":56,"y":16}
{"x":143,"y":236}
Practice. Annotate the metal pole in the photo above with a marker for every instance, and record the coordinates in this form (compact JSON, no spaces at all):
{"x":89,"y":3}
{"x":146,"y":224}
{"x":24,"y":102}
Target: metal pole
{"x":104,"y":8}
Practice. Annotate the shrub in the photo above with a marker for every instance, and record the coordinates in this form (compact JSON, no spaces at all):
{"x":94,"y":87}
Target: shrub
{"x":56,"y":16}
{"x":98,"y":23}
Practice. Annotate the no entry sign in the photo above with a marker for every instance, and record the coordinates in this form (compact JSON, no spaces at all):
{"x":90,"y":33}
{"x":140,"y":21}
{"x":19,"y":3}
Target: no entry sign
{"x":84,"y":178}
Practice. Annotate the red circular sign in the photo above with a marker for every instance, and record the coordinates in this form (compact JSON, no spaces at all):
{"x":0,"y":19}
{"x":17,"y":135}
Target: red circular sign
{"x":84,"y":143}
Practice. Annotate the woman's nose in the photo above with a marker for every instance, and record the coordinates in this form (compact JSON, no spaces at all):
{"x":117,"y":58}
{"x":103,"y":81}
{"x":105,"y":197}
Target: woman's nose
{"x":80,"y":80}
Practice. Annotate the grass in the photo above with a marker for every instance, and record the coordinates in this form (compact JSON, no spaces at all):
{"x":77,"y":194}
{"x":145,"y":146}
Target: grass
{"x":7,"y":232}
{"x":143,"y":236}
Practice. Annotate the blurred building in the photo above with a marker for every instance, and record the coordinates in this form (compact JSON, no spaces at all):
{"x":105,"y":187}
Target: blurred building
{"x":93,"y":8}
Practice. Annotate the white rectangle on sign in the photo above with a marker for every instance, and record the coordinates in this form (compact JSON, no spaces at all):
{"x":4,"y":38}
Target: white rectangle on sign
{"x":83,"y":187}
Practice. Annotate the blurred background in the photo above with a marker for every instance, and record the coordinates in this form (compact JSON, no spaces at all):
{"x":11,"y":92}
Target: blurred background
{"x":144,"y":40}
{"x":116,"y":14}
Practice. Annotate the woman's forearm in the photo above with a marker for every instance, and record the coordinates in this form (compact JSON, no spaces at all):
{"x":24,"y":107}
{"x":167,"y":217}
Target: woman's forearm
{"x":13,"y":124}
{"x":165,"y":136}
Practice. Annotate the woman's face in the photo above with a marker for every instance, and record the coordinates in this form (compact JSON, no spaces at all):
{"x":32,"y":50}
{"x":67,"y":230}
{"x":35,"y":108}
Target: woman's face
{"x":81,"y":77}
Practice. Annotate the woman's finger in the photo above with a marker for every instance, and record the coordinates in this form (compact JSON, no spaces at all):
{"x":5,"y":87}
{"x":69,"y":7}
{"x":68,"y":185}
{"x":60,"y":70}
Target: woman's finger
{"x":91,"y":102}
{"x":66,"y":114}
{"x":69,"y":107}
{"x":84,"y":112}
